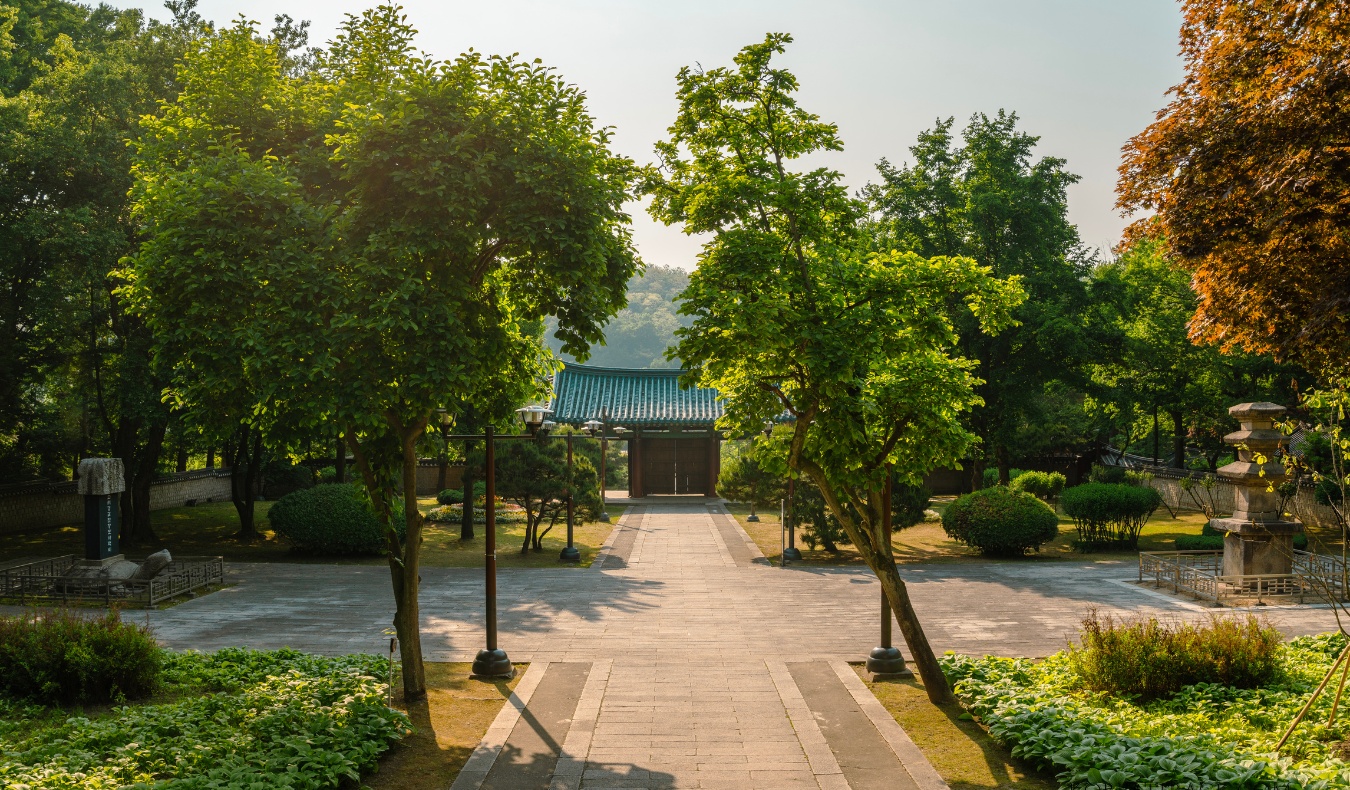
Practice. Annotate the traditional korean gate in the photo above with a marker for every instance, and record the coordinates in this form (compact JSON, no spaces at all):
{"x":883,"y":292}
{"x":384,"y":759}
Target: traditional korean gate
{"x":675,"y":466}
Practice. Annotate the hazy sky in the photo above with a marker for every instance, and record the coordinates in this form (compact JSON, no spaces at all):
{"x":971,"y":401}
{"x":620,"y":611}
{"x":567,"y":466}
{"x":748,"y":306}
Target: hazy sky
{"x":1085,"y":75}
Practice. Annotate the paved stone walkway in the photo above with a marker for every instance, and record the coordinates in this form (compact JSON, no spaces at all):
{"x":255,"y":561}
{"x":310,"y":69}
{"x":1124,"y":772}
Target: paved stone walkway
{"x":681,"y":658}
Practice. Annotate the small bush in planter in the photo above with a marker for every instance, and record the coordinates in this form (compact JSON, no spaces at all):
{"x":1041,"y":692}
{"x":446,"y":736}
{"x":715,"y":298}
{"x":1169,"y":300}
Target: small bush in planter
{"x":1109,"y":514}
{"x":65,"y":658}
{"x":1000,"y":521}
{"x":1045,"y":486}
{"x":334,"y":518}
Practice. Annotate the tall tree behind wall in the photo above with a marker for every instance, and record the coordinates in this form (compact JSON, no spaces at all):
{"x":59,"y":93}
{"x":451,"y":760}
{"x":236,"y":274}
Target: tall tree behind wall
{"x":640,"y":334}
{"x":990,"y":200}
{"x":78,"y":377}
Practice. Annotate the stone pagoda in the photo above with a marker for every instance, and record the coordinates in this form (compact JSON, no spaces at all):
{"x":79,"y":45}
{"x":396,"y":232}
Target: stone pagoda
{"x":1259,"y":541}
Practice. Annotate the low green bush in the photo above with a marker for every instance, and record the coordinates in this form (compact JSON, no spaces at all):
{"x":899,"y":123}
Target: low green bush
{"x":334,"y":518}
{"x":1104,"y":473}
{"x":1149,"y":658}
{"x":990,"y":477}
{"x":1208,"y":542}
{"x":455,"y":496}
{"x":328,"y":474}
{"x":1000,"y":522}
{"x":65,"y":657}
{"x":1204,"y":736}
{"x":1109,"y":515}
{"x":1045,"y":486}
{"x":245,"y":719}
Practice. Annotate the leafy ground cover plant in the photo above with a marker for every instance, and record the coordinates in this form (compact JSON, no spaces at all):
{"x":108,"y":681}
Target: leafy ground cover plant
{"x":1150,"y":658}
{"x":244,"y":719}
{"x":64,"y":657}
{"x":1000,"y":521}
{"x":1207,"y":735}
{"x":1109,"y":514}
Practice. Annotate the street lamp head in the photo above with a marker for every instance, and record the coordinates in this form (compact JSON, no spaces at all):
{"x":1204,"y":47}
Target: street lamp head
{"x":594,"y":426}
{"x":532,"y":416}
{"x":620,"y":430}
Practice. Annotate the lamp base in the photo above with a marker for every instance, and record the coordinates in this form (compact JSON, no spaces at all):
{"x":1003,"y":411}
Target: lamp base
{"x":569,"y":554}
{"x":886,"y":662}
{"x":492,"y":665}
{"x":793,"y":553}
{"x":752,"y":517}
{"x":604,"y":517}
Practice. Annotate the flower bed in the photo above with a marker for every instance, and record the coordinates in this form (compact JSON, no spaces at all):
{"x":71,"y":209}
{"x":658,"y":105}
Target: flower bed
{"x":242,"y":719}
{"x":1205,"y":736}
{"x":507,"y":513}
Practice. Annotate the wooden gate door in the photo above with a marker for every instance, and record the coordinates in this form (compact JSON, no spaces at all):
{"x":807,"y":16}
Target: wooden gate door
{"x":658,"y":465}
{"x":691,"y":466}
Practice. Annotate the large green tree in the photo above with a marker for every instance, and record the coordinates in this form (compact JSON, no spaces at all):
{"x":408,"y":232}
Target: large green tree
{"x":793,"y":313}
{"x":990,"y":199}
{"x":76,"y":366}
{"x":400,"y":227}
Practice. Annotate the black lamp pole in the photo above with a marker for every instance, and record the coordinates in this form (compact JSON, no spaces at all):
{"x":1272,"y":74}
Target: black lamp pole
{"x":492,"y":662}
{"x":791,"y":551}
{"x":569,"y":552}
{"x":885,"y":660}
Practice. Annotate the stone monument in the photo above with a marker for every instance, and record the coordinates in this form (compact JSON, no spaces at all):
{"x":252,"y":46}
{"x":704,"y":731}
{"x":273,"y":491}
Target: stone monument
{"x":1258,"y":541}
{"x":101,"y":481}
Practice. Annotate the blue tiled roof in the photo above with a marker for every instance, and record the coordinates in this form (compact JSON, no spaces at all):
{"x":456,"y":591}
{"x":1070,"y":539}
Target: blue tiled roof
{"x":631,"y":398}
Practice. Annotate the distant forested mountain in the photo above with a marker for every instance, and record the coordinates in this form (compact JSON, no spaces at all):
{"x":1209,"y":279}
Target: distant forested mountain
{"x":640,"y":334}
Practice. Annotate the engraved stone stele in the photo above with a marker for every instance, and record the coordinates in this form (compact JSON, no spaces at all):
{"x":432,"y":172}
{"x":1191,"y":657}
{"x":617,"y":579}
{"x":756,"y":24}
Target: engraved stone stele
{"x":101,"y":476}
{"x":1259,"y":540}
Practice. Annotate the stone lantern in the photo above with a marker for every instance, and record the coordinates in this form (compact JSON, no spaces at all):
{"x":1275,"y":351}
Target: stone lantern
{"x":1259,"y":540}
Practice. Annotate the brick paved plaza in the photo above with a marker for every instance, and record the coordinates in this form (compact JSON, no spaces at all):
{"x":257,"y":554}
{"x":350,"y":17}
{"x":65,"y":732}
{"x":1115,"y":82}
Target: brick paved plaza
{"x":681,"y":658}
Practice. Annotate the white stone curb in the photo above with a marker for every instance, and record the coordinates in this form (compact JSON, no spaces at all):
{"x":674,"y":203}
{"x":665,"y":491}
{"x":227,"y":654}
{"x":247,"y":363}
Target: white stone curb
{"x":920,"y":770}
{"x":823,"y":764}
{"x":475,"y":771}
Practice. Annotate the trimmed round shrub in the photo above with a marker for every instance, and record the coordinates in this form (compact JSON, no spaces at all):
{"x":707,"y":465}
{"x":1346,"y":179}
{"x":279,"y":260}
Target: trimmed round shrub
{"x":1000,"y":522}
{"x":1102,"y":473}
{"x":1109,"y":514}
{"x":334,"y":518}
{"x":62,"y":657}
{"x":1045,"y":486}
{"x":450,"y":496}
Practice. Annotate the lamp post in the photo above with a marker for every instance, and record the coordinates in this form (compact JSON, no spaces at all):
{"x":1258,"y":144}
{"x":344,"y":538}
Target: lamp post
{"x":491,"y":662}
{"x":569,"y":552}
{"x":594,"y":427}
{"x":885,"y":660}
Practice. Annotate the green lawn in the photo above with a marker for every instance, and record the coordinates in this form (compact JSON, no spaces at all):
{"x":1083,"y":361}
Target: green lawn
{"x":928,"y":543}
{"x":210,"y":530}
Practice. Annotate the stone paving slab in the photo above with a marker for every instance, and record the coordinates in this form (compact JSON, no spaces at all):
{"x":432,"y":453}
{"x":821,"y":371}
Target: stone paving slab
{"x":688,"y":641}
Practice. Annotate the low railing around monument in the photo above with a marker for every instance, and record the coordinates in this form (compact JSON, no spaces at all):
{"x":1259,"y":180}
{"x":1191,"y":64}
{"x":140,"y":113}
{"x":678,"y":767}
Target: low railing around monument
{"x":49,"y":581}
{"x":1200,"y":574}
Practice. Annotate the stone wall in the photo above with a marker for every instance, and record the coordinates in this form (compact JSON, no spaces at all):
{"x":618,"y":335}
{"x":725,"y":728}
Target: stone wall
{"x":429,"y":474}
{"x":44,"y":505}
{"x":1222,"y":499}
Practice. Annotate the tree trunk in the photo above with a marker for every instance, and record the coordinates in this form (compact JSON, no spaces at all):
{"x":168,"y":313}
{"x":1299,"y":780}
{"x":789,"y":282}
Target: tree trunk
{"x":210,"y":458}
{"x":875,"y":549}
{"x":1004,"y":466}
{"x":146,"y":465}
{"x":467,"y":481}
{"x":340,"y":461}
{"x":405,"y":572}
{"x":1178,"y":440}
{"x":1155,"y":434}
{"x":245,"y":464}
